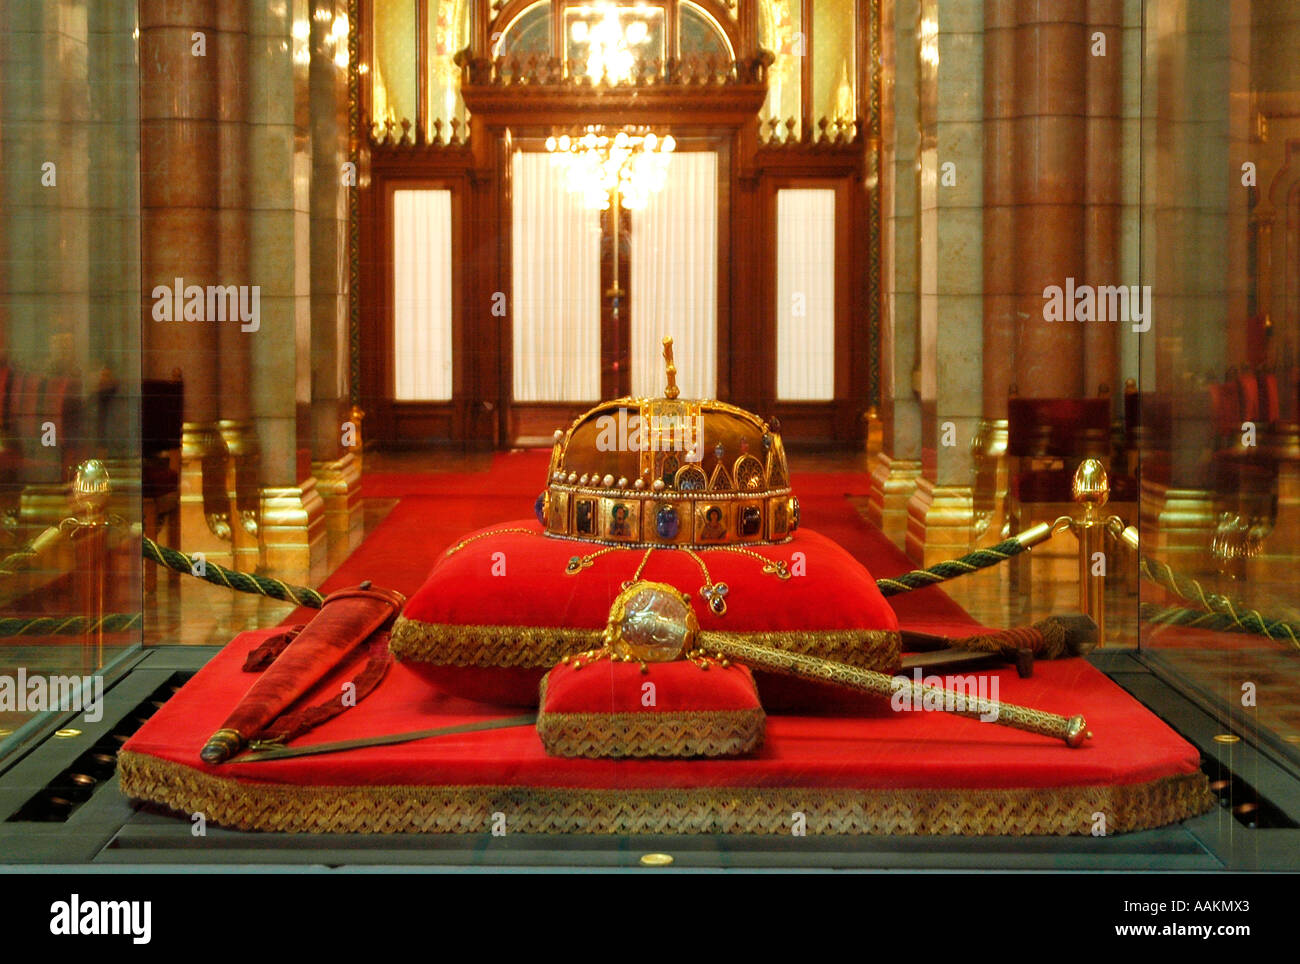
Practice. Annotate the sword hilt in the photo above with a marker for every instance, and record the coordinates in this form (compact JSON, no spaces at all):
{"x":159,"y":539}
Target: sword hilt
{"x":221,"y":746}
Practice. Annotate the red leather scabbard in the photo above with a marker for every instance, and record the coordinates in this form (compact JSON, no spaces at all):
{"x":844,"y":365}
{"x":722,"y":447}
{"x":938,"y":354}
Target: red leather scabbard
{"x":347,"y":618}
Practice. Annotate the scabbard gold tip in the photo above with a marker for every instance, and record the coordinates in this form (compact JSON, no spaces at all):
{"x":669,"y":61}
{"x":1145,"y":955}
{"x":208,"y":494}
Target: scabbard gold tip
{"x":221,"y":746}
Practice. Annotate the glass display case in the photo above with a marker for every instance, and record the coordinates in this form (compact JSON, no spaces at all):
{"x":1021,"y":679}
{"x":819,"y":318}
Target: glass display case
{"x":651,"y":431}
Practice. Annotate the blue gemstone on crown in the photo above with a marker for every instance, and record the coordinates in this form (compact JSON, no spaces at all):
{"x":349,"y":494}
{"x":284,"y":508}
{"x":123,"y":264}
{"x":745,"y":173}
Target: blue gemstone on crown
{"x":667,"y":523}
{"x":539,"y":507}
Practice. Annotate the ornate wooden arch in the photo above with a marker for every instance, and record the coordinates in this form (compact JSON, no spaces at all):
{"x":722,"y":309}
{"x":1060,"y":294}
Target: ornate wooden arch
{"x":717,"y":12}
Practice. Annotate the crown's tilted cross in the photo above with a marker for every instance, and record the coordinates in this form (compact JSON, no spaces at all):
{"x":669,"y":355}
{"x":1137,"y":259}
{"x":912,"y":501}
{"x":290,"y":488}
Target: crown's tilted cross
{"x":671,"y":369}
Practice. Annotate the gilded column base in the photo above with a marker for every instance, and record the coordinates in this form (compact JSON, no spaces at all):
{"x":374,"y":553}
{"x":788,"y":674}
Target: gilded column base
{"x":992,"y":479}
{"x":293,"y":540}
{"x":339,"y":485}
{"x":873,"y":433}
{"x":205,"y":504}
{"x":892,"y":483}
{"x":352,"y":440}
{"x":1177,"y":525}
{"x":242,"y":490}
{"x":939,"y":521}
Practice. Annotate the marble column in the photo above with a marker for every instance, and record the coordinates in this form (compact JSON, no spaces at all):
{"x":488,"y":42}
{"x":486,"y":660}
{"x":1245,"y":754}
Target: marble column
{"x":1134,"y":347}
{"x":1186,"y":179}
{"x":337,"y":470}
{"x":228,"y":45}
{"x":180,"y":165}
{"x":291,"y":526}
{"x":1264,"y":127}
{"x":898,"y":465}
{"x":1189,"y":214}
{"x":45,"y":118}
{"x":47,"y":191}
{"x":990,"y":471}
{"x":950,"y":261}
{"x":69,"y":298}
{"x":1050,"y":184}
{"x":113,"y":341}
{"x":1102,"y":171}
{"x":1000,"y":56}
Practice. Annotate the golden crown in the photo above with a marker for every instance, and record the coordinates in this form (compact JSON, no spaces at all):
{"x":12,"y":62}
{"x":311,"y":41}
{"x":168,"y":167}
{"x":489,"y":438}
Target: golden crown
{"x":669,"y":472}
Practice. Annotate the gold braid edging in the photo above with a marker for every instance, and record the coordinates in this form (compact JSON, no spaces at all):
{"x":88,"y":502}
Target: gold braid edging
{"x":706,"y":810}
{"x":678,"y":734}
{"x":449,"y":645}
{"x":543,"y":647}
{"x":702,"y":733}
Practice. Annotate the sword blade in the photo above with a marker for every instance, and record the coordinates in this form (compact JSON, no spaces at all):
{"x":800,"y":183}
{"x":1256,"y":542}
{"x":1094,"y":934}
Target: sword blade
{"x":388,"y":739}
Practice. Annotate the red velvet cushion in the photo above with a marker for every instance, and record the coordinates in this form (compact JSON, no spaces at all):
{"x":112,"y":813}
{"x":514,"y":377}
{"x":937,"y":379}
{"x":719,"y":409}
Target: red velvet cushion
{"x":504,"y":600}
{"x":898,"y":773}
{"x":671,"y":709}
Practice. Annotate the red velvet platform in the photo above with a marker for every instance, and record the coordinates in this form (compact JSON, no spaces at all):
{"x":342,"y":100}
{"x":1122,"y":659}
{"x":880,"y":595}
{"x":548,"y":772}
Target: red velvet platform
{"x":889,"y":773}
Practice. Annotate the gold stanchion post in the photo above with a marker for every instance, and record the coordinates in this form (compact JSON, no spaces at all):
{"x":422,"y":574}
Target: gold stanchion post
{"x":91,"y":490}
{"x":1091,"y":489}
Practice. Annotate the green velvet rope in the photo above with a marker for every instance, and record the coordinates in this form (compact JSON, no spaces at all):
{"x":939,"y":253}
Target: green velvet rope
{"x":172,"y":559}
{"x":20,"y":559}
{"x":951,"y":568}
{"x":239,"y":581}
{"x":1214,"y":611}
{"x":1252,"y":622}
{"x":17,"y":561}
{"x":69,"y":625}
{"x":1181,"y":586}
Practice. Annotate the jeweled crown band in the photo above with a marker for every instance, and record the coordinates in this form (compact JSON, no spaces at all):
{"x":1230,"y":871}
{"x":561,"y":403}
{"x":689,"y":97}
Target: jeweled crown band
{"x":669,"y":471}
{"x":696,"y":520}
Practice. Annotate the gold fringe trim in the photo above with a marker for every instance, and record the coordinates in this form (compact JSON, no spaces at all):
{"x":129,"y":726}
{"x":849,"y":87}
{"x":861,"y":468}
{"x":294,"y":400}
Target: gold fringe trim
{"x":543,"y":647}
{"x":702,"y":733}
{"x":695,"y":810}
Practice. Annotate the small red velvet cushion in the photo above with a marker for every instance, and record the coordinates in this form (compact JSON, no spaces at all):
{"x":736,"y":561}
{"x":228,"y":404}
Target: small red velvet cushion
{"x":607,"y":709}
{"x":500,"y":609}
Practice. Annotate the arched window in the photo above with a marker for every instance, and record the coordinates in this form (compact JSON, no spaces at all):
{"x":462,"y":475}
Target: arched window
{"x":700,"y":35}
{"x":528,"y":33}
{"x":639,"y":30}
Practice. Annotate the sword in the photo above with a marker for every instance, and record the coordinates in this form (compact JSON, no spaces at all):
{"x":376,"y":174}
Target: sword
{"x":347,"y":618}
{"x":272,"y":752}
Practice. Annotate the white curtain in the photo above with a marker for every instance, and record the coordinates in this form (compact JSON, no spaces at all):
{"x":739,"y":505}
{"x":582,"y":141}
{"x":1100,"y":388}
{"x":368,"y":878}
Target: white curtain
{"x":556,"y":311}
{"x":674,"y":285}
{"x":422,"y":295}
{"x":805,"y":294}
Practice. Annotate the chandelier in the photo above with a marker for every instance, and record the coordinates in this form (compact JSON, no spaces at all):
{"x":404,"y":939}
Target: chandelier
{"x":626,"y":168}
{"x":611,"y":44}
